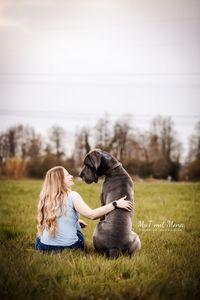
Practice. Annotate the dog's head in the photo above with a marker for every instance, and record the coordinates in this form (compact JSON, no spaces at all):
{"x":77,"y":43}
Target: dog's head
{"x":96,"y":163}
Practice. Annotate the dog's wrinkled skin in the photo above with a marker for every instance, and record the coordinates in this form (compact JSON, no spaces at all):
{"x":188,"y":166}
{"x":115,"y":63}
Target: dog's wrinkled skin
{"x":114,"y":232}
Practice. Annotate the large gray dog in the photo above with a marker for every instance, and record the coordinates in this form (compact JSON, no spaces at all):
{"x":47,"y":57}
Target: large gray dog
{"x":114,"y":232}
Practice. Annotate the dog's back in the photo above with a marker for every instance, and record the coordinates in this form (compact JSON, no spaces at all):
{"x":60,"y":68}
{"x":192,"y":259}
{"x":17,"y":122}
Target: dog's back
{"x":114,"y":187}
{"x":114,"y":234}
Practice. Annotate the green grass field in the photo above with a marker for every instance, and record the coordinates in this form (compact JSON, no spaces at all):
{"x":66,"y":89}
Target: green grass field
{"x":167,"y":267}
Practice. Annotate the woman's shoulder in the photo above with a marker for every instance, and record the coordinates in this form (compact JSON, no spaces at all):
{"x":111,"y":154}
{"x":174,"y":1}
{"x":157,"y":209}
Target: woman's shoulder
{"x":73,"y":195}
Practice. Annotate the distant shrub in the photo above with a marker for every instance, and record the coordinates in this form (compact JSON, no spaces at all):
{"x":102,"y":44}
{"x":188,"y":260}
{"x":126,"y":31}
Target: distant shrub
{"x":70,"y":165}
{"x":38,"y":166}
{"x":35,"y":168}
{"x":136,"y":167}
{"x":13,"y":168}
{"x":160,"y":169}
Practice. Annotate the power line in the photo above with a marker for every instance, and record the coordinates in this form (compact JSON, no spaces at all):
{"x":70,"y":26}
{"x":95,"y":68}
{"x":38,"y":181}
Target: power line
{"x":103,"y":74}
{"x":74,"y":115}
{"x":129,"y":80}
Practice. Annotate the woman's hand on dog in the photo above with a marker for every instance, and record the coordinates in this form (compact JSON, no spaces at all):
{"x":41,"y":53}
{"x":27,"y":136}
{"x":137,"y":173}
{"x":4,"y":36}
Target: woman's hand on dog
{"x":82,"y":223}
{"x":125,"y":204}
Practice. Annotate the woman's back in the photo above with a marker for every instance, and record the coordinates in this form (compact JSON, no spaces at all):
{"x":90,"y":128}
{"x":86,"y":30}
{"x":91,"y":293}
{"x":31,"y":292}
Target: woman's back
{"x":67,"y":225}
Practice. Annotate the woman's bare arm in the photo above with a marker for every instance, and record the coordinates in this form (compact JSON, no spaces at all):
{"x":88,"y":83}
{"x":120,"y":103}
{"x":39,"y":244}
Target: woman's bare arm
{"x":83,"y":209}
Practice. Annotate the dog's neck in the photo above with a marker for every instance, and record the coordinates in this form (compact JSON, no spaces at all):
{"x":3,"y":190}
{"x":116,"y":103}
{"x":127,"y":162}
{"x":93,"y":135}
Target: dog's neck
{"x":108,"y":171}
{"x":107,"y":166}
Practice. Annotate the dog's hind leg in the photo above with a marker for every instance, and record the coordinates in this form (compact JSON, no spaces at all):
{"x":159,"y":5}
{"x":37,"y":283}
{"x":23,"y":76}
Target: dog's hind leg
{"x":134,"y":245}
{"x":113,"y":253}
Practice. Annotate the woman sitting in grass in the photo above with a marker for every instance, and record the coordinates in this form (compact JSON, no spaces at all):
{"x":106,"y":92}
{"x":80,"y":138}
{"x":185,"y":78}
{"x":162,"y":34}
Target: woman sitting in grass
{"x":59,"y":226}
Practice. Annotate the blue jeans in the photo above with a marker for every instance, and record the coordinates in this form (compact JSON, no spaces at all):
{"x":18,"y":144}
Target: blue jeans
{"x":43,"y":247}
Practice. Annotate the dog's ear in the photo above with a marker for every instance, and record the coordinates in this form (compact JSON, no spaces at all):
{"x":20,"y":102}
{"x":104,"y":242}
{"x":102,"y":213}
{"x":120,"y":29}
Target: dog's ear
{"x":93,"y":159}
{"x":107,"y":155}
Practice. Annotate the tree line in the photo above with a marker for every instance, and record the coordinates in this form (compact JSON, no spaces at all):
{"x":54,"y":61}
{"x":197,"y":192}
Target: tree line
{"x":156,"y":152}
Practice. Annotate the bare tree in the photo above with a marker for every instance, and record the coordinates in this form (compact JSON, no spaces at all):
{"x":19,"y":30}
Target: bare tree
{"x":35,"y":146}
{"x":82,"y":145}
{"x":9,"y":143}
{"x":12,"y":141}
{"x":194,"y":143}
{"x":164,"y":141}
{"x":4,"y":147}
{"x":165,"y":137}
{"x":103,"y":134}
{"x":29,"y":143}
{"x":120,"y":140}
{"x":193,"y":160}
{"x":57,"y":137}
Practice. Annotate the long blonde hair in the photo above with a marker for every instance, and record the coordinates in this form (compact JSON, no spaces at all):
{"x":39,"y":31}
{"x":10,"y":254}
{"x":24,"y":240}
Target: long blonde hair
{"x":52,"y":197}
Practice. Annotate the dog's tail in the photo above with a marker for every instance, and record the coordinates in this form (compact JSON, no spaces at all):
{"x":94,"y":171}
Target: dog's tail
{"x":135,"y":245}
{"x":114,"y":253}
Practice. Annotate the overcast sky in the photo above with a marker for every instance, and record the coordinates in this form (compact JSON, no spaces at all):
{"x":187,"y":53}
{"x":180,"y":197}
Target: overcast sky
{"x":68,"y":62}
